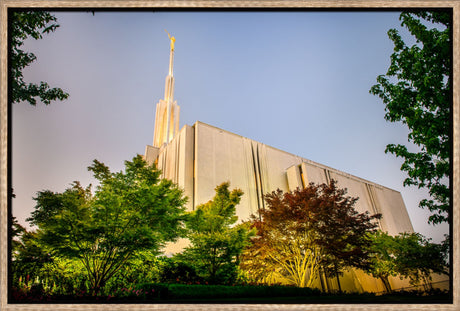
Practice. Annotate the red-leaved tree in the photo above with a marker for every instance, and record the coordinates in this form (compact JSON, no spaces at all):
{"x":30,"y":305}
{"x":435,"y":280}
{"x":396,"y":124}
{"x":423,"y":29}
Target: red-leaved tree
{"x":304,"y":233}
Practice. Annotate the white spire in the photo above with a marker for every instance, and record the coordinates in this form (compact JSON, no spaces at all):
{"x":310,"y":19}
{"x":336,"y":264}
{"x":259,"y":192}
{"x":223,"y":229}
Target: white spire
{"x":169,"y":87}
{"x":167,"y":111}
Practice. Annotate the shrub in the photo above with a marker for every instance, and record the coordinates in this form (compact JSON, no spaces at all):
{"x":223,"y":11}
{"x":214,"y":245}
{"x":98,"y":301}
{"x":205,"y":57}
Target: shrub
{"x":180,"y":291}
{"x":153,"y":291}
{"x":174,"y":270}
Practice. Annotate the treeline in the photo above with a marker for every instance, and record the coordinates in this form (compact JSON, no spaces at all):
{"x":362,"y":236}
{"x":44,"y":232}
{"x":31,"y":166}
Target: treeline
{"x":97,"y":242}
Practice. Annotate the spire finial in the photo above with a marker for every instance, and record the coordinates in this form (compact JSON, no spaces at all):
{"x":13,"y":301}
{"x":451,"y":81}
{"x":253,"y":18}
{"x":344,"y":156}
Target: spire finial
{"x":167,"y":112}
{"x":172,"y":40}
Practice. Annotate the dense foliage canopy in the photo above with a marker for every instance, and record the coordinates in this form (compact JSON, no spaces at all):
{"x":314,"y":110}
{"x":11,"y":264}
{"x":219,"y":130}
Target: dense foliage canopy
{"x":307,"y":232}
{"x":216,"y":240}
{"x":130,"y":212}
{"x":408,"y":255}
{"x":416,"y":91}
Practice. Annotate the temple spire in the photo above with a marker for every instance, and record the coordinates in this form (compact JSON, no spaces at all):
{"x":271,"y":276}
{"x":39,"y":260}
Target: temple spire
{"x":171,"y":53}
{"x":167,"y":111}
{"x":169,"y":87}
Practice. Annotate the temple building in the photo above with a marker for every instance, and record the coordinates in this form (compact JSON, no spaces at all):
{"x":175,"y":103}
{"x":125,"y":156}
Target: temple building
{"x":199,"y":157}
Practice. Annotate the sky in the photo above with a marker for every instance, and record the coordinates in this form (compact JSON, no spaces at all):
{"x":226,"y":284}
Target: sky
{"x":296,"y":81}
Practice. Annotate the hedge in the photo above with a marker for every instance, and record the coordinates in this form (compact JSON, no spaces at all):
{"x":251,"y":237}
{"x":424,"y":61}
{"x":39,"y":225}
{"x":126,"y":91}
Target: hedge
{"x":183,"y":291}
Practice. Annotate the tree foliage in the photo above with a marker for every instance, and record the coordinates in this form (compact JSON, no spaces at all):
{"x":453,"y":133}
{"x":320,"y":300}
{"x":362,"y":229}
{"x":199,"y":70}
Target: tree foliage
{"x":409,"y":255}
{"x":177,"y":269}
{"x":130,"y":212}
{"x":140,"y":269}
{"x":383,"y":263}
{"x":29,"y":24}
{"x":16,"y":231}
{"x":216,"y":242}
{"x":302,"y":231}
{"x":416,"y":91}
{"x":418,"y":258}
{"x":33,"y":268}
{"x":29,"y":257}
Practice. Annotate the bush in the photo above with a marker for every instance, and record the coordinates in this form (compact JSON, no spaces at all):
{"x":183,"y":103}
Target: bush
{"x":182,"y":291}
{"x":174,"y":270}
{"x":420,"y":293}
{"x":153,"y":291}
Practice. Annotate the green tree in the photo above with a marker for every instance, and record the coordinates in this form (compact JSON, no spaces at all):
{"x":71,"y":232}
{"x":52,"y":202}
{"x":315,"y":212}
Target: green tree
{"x":409,"y":255}
{"x":28,"y":259}
{"x":130,"y":212}
{"x":307,"y":232}
{"x":216,"y":242}
{"x":416,"y":91}
{"x":35,"y":269}
{"x":418,"y":258}
{"x":33,"y":24}
{"x":383,"y":262}
{"x":17,"y":231}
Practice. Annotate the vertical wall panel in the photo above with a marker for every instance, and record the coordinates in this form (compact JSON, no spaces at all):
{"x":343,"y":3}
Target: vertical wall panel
{"x":294,"y":179}
{"x":313,"y":174}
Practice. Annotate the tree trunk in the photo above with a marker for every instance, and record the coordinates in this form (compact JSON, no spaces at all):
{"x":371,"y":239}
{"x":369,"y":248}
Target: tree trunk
{"x":323,"y":286}
{"x":338,"y":281}
{"x":386,"y":283}
{"x":427,"y":284}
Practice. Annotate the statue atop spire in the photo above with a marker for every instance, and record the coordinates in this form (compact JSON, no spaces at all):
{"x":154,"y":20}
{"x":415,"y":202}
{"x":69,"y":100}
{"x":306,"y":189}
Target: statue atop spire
{"x":171,"y":54}
{"x":172,"y":40}
{"x":167,"y":112}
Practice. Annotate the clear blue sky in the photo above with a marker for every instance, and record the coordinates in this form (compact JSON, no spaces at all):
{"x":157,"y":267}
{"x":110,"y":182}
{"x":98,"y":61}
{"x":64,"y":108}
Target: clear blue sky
{"x":297,"y":81}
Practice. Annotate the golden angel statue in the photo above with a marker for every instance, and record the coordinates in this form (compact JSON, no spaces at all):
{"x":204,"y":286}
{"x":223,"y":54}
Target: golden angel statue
{"x":172,"y":40}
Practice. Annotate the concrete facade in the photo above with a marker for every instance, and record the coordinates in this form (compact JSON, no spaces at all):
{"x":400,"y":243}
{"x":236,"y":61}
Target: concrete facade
{"x":202,"y":156}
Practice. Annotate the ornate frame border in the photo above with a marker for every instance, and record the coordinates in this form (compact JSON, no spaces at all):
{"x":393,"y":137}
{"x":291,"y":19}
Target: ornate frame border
{"x":216,"y":4}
